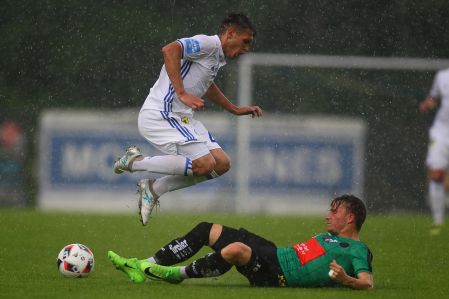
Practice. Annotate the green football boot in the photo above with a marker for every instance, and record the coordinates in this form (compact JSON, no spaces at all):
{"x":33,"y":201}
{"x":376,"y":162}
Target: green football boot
{"x":128,"y":266}
{"x":158,"y":272}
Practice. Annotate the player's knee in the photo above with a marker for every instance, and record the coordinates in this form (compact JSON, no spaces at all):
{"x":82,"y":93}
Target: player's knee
{"x":236,"y":253}
{"x":227,"y":164}
{"x":223,"y":162}
{"x":437,"y":175}
{"x":203,"y":166}
{"x":223,"y":166}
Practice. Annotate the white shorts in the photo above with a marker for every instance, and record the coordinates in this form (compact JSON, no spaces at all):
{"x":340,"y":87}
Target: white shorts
{"x":438,"y":154}
{"x":176,"y":134}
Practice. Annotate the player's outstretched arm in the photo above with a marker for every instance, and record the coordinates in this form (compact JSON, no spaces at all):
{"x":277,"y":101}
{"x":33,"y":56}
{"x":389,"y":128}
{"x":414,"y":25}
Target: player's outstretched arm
{"x":215,"y":95}
{"x":364,"y":280}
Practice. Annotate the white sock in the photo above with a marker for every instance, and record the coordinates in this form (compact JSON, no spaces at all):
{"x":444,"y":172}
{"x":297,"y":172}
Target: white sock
{"x":174,"y":182}
{"x":151,"y":260}
{"x":170,"y":164}
{"x":182,"y":269}
{"x":437,"y":200}
{"x":183,"y":272}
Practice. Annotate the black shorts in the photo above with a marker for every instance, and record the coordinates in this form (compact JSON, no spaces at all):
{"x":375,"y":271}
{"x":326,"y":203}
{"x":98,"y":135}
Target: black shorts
{"x":263,"y":269}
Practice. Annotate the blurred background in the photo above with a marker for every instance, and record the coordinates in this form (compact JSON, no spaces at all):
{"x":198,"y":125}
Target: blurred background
{"x":105,"y":55}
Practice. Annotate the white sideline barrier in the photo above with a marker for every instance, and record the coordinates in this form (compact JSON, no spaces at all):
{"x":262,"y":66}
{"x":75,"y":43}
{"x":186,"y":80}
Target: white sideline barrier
{"x":295,"y":164}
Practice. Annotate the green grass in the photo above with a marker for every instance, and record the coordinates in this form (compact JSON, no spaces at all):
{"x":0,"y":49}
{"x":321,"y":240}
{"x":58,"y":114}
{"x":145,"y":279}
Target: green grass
{"x":408,"y":263}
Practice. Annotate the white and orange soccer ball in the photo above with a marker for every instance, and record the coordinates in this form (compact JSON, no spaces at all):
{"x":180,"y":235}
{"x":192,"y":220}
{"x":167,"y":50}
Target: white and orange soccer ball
{"x":75,"y":260}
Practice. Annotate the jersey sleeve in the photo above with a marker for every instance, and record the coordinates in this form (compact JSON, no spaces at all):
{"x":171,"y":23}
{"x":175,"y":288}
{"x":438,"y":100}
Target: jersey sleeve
{"x":197,"y":46}
{"x":362,"y":259}
{"x":435,"y":90}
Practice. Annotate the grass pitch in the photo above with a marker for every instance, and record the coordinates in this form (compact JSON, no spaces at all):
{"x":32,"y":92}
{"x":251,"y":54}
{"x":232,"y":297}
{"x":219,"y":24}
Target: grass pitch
{"x":408,"y":263}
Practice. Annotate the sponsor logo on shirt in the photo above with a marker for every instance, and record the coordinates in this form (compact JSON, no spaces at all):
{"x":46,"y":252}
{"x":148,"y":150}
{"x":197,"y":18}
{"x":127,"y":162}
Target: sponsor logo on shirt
{"x":178,"y":247}
{"x":309,"y":250}
{"x":282,"y":281}
{"x":192,"y":46}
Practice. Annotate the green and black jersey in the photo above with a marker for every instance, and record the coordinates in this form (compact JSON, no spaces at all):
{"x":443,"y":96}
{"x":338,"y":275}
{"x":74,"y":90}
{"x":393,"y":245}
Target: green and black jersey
{"x":307,"y":264}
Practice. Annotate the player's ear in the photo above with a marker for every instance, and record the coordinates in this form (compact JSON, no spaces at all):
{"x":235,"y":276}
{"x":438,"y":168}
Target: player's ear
{"x":231,"y":31}
{"x":350,"y":218}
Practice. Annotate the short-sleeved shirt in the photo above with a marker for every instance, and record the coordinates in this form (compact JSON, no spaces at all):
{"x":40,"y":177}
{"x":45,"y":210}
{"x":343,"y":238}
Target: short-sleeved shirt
{"x":440,"y":90}
{"x":202,"y":57}
{"x":307,"y":264}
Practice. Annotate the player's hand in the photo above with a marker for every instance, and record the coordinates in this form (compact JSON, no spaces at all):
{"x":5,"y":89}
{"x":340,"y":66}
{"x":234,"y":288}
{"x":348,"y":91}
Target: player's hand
{"x":337,"y":272}
{"x":192,"y":101}
{"x":249,"y":110}
{"x":426,"y":105}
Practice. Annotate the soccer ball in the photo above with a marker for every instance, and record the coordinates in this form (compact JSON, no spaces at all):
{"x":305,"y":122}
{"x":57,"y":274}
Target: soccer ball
{"x":75,"y":260}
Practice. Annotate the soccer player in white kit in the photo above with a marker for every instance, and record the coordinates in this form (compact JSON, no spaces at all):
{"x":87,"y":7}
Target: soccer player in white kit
{"x":166,"y":118}
{"x":438,"y":153}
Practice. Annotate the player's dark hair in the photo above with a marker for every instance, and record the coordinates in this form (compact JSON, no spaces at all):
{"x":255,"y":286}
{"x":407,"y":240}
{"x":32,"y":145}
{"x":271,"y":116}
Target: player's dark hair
{"x":354,"y":205}
{"x":239,"y":21}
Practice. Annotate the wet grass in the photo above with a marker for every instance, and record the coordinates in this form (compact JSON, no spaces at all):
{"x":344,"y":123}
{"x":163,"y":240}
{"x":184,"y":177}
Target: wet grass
{"x":408,"y":263}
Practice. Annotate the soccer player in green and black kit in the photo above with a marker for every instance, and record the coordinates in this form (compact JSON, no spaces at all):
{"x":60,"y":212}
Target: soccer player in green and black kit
{"x":328,"y":259}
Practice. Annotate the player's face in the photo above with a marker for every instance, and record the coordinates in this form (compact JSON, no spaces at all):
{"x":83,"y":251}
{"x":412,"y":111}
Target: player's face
{"x":237,"y":43}
{"x":337,"y":218}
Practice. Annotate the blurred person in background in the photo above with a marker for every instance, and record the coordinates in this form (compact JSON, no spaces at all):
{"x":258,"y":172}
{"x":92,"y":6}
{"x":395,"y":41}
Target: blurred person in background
{"x":11,"y":140}
{"x":166,"y":117}
{"x":335,"y":258}
{"x":438,"y":152}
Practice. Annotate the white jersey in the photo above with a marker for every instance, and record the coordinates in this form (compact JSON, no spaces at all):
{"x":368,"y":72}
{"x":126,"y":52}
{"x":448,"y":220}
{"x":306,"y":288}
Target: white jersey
{"x":440,"y":90}
{"x":202,"y":57}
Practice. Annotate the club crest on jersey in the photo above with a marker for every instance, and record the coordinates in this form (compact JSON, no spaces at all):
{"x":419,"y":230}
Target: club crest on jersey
{"x":192,"y":46}
{"x":185,"y":120}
